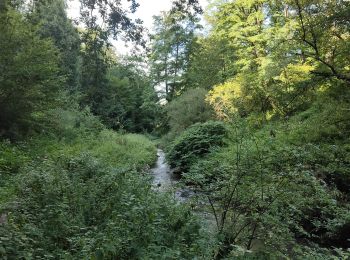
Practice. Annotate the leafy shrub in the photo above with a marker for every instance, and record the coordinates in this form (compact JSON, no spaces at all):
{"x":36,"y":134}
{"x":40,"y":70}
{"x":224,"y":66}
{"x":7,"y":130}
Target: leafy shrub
{"x":261,"y":187}
{"x":11,"y":158}
{"x":77,"y":192}
{"x":71,"y":123}
{"x":326,"y":121}
{"x":81,"y":208}
{"x":85,"y":198}
{"x":195,"y":142}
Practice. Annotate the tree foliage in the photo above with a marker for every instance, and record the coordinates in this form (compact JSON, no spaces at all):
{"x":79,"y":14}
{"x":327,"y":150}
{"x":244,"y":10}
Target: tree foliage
{"x":188,"y":109}
{"x":283,"y":51}
{"x":102,"y":20}
{"x":53,"y":23}
{"x":128,"y":100}
{"x":30,"y":75}
{"x":170,"y":50}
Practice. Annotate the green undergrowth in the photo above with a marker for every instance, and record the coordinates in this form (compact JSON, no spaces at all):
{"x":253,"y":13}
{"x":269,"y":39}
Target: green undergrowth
{"x":89,"y":198}
{"x":115,"y":149}
{"x":283,"y":185}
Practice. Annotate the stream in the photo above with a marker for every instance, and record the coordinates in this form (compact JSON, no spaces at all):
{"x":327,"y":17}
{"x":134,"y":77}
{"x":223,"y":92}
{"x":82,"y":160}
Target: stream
{"x":165,"y":180}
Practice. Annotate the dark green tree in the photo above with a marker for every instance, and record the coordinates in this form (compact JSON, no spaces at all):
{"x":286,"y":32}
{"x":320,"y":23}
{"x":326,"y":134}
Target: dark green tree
{"x":187,"y":109}
{"x":128,"y":101}
{"x":30,"y":75}
{"x":51,"y":17}
{"x":103,"y":20}
{"x":170,"y":51}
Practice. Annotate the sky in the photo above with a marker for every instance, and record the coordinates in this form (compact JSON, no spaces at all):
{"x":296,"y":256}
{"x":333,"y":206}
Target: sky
{"x":146,"y":10}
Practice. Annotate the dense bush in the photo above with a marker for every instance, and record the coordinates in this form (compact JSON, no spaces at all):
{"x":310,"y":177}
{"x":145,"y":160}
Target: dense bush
{"x":11,"y":158}
{"x":195,"y":142}
{"x":80,"y":191}
{"x":86,"y":198}
{"x":262,"y":187}
{"x":326,"y":121}
{"x":320,"y":135}
{"x":81,"y":208}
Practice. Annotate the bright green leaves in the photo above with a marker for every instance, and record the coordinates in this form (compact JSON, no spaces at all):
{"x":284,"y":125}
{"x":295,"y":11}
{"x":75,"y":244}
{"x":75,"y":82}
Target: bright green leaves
{"x":324,"y":35}
{"x":223,"y":97}
{"x":272,"y":67}
{"x":296,"y":73}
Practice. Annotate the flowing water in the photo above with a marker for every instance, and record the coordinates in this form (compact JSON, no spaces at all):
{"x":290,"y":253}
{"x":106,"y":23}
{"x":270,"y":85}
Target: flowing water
{"x":163,"y":176}
{"x":165,"y":180}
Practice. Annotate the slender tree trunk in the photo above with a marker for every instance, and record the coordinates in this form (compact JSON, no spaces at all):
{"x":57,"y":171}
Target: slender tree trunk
{"x":166,"y":79}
